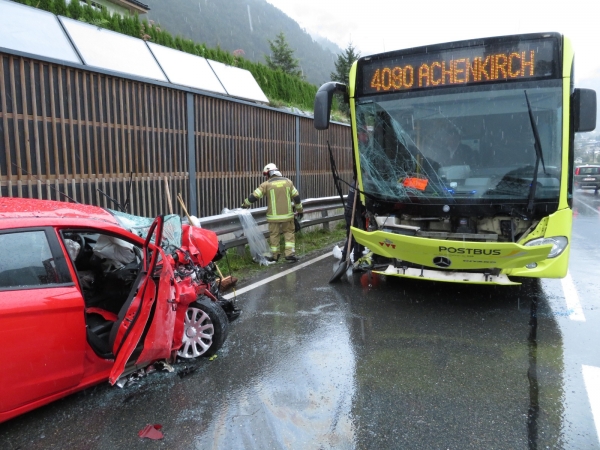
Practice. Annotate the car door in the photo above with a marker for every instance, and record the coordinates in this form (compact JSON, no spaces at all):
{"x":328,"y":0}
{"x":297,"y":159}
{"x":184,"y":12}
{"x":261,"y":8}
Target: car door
{"x":42,"y":329}
{"x":133,"y":341}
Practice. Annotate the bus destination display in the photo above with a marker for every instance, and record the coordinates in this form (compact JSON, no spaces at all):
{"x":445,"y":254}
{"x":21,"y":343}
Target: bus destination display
{"x":521,"y":60}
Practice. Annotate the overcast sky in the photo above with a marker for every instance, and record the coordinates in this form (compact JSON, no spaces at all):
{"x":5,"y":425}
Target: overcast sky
{"x":375,"y":26}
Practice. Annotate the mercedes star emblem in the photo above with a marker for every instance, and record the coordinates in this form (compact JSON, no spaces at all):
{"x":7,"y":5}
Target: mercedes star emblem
{"x":442,"y":261}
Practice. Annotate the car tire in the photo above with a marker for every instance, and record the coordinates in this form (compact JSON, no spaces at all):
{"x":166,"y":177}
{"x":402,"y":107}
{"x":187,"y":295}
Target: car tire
{"x":205,"y":329}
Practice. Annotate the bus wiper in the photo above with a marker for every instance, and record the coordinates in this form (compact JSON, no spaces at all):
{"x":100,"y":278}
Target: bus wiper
{"x":539,"y":156}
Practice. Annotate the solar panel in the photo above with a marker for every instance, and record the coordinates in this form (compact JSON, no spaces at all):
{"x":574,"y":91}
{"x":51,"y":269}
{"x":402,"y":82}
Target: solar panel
{"x":109,"y":50}
{"x":31,"y":30}
{"x":238,"y":82}
{"x":186,"y":69}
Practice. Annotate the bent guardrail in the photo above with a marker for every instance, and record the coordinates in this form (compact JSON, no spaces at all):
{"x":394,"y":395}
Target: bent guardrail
{"x":317,"y":211}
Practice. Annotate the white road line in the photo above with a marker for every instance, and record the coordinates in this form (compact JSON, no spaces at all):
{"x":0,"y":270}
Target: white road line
{"x":589,"y":207}
{"x":274,"y":277}
{"x":572,"y":298}
{"x":591,"y":379}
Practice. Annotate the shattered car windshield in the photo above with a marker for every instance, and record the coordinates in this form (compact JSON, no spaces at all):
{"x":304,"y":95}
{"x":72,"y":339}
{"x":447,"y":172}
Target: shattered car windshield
{"x":460,"y":144}
{"x":141,"y":225}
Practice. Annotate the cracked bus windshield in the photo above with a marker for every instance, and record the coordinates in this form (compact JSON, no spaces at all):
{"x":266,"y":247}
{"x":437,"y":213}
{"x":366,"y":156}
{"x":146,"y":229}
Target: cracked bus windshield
{"x":461,"y":145}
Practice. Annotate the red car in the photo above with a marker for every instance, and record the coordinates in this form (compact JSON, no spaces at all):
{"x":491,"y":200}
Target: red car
{"x":86,"y":295}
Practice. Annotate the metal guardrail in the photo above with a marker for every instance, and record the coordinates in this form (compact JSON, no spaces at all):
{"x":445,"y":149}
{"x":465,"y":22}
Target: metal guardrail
{"x":229,"y":223}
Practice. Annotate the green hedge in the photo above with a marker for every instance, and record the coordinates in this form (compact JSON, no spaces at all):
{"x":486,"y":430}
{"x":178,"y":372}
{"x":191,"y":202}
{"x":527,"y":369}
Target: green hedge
{"x":278,"y":86}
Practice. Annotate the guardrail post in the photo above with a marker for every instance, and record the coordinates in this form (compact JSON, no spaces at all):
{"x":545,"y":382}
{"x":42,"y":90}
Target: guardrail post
{"x":191,"y":142}
{"x":325,"y":224}
{"x":240,"y":249}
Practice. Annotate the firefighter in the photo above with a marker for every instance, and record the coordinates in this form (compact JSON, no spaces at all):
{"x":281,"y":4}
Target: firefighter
{"x":280,"y":193}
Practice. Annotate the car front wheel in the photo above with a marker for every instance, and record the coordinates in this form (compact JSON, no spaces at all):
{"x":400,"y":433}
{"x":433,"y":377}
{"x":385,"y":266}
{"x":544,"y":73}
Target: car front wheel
{"x":205,"y":329}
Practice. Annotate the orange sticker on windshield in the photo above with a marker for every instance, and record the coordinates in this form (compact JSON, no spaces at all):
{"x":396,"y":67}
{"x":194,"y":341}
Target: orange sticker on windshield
{"x":416,"y":183}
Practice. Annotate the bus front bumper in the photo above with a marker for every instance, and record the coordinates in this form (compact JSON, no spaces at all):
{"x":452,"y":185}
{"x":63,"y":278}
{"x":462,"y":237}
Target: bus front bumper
{"x":447,"y":276}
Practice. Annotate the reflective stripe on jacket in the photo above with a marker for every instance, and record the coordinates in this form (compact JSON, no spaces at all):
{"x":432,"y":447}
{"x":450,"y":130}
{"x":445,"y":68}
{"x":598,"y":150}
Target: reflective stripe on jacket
{"x":280,"y":193}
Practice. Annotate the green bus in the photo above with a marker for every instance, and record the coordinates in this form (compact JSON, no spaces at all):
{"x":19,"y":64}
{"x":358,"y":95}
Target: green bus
{"x":463,"y":156}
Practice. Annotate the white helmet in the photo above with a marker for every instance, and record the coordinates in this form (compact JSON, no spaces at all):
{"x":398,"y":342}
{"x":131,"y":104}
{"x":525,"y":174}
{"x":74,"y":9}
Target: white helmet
{"x":269,"y":168}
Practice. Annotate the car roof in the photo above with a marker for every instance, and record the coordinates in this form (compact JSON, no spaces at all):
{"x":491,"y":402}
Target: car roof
{"x":39,"y":211}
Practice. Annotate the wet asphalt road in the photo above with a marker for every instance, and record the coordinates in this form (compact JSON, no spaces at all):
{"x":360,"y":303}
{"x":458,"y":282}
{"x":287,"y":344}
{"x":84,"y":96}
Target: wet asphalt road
{"x":366,"y":363}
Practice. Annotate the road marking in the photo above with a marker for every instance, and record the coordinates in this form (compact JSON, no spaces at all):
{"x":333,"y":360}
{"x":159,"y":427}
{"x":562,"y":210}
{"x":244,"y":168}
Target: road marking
{"x":572,"y":298}
{"x":589,"y":207}
{"x":274,"y":277}
{"x":591,"y":379}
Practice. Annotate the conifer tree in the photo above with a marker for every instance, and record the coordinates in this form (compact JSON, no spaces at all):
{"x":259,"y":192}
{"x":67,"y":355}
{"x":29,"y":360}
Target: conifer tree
{"x":105,"y":16}
{"x":60,"y":7}
{"x":136,"y":25}
{"x":87,"y":13}
{"x":115,"y":23}
{"x":344,"y":63}
{"x":46,"y":5}
{"x":126,"y":26}
{"x":74,"y":9}
{"x":282,"y":57}
{"x":342,"y":73}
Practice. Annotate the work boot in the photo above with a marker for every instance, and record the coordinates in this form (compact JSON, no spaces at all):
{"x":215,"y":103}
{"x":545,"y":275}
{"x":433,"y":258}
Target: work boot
{"x":292,"y":258}
{"x":273,"y":259}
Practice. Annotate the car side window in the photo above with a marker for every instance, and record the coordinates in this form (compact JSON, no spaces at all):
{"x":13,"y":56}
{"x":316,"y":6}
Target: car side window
{"x":26,"y":260}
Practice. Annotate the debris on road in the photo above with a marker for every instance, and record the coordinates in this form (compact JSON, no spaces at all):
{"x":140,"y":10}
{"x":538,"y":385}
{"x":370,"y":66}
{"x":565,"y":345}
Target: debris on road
{"x":151,"y":432}
{"x":186,"y":371}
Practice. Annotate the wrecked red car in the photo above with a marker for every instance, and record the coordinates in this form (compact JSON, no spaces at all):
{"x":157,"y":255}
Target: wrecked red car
{"x":89,"y":294}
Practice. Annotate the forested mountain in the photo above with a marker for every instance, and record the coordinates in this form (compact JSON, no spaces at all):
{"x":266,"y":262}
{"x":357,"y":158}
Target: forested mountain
{"x":244,"y":25}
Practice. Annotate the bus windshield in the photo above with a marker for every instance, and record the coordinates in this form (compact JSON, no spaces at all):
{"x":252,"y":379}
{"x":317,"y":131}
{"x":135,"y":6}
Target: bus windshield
{"x":474,"y":144}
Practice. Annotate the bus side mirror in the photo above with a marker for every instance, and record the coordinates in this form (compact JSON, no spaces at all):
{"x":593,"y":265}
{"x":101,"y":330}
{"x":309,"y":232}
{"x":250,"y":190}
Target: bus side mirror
{"x":584,"y":110}
{"x":323,"y":101}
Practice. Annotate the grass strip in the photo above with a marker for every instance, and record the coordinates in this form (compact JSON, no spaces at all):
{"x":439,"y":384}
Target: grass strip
{"x":241,"y":265}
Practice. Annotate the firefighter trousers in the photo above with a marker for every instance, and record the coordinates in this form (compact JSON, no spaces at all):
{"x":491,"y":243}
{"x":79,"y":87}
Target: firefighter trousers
{"x":287,"y":229}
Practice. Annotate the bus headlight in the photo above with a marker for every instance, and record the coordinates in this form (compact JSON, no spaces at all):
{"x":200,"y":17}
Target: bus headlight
{"x":559,"y":243}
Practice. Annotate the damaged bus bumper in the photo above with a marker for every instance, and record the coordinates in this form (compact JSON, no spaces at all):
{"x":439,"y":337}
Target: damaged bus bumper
{"x":447,"y":276}
{"x":453,"y":261}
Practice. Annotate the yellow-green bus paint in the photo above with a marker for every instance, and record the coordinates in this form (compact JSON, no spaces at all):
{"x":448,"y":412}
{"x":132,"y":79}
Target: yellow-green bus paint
{"x":558,"y":224}
{"x":462,"y":255}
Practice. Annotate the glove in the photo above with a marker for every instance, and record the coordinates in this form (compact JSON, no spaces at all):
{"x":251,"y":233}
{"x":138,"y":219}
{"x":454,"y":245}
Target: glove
{"x":244,"y":206}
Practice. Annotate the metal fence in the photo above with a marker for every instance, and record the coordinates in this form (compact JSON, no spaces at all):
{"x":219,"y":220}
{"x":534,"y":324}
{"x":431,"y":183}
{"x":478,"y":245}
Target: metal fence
{"x":65,"y":129}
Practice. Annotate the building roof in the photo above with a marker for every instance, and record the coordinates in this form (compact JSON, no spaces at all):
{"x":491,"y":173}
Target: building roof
{"x":132,"y":5}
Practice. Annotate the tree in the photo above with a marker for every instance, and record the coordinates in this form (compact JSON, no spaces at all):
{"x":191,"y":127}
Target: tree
{"x":46,"y":5}
{"x":60,"y":7}
{"x":282,"y":57}
{"x":75,"y":10}
{"x":344,"y":63}
{"x":342,"y":73}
